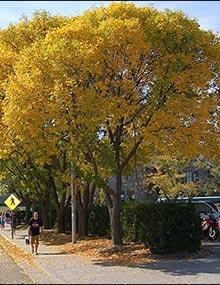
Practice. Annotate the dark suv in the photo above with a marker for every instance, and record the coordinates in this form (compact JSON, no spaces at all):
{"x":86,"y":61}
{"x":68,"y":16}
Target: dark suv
{"x":203,"y":207}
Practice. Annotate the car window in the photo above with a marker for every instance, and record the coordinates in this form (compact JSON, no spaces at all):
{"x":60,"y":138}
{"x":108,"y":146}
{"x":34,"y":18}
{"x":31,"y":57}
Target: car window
{"x":213,"y":206}
{"x":201,"y":207}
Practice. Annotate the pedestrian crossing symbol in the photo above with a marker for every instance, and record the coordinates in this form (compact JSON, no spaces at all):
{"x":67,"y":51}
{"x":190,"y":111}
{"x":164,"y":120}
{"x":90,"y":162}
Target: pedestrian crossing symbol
{"x":12,"y":201}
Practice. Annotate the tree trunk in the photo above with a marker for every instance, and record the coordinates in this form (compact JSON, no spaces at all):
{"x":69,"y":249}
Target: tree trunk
{"x":73,"y":188}
{"x":28,"y":211}
{"x":115,"y":210}
{"x":60,"y":220}
{"x":84,"y":202}
{"x":83,"y":222}
{"x":115,"y":221}
{"x":45,"y":212}
{"x":33,"y":207}
{"x":46,"y":209}
{"x":113,"y":201}
{"x":60,"y":205}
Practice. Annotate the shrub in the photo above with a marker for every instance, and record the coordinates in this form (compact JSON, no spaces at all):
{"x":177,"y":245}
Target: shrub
{"x":99,"y":222}
{"x":164,"y":228}
{"x":130,"y":220}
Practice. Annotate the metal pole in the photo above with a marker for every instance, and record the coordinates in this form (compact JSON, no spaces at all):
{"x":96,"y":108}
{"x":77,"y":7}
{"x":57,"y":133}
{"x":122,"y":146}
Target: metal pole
{"x":73,"y":202}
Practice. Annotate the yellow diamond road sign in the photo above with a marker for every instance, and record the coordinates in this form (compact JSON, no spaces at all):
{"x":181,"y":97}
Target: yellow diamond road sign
{"x":12,"y":201}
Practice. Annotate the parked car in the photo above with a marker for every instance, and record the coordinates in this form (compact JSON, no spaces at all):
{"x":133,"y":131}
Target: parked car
{"x":202,"y":204}
{"x":206,"y":207}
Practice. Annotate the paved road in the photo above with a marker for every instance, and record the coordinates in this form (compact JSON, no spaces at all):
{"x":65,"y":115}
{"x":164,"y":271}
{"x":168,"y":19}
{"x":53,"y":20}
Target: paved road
{"x":10,"y":272}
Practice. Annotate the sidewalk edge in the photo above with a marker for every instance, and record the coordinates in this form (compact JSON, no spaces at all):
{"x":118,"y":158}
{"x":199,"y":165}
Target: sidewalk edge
{"x":25,"y":266}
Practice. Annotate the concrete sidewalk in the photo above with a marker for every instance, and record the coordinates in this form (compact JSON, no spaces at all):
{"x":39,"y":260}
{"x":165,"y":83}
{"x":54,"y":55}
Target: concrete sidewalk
{"x":10,"y":271}
{"x":55,"y":267}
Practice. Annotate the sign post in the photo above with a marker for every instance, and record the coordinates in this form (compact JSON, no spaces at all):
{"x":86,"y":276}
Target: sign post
{"x":12,"y":202}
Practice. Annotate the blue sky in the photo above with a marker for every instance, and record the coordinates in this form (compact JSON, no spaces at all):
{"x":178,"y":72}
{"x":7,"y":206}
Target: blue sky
{"x":206,"y":12}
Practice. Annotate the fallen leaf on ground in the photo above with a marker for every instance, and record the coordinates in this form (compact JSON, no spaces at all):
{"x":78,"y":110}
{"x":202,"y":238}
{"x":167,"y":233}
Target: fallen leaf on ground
{"x":100,"y":250}
{"x":16,"y":252}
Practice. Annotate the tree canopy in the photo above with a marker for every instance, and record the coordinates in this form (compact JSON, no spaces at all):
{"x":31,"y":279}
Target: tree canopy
{"x":123,"y":79}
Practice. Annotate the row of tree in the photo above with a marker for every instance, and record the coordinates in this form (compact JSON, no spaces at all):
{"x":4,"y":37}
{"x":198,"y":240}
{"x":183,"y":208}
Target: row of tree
{"x":103,"y":93}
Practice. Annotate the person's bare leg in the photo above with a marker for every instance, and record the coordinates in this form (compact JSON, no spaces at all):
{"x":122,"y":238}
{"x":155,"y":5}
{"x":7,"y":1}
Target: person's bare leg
{"x":32,"y":246}
{"x":36,"y":248}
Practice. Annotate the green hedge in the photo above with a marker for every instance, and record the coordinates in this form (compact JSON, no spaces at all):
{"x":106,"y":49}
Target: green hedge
{"x":164,"y":227}
{"x":99,"y":222}
{"x":130,"y":220}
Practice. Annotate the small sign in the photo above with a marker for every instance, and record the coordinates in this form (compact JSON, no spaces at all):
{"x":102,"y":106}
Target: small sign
{"x":12,"y":201}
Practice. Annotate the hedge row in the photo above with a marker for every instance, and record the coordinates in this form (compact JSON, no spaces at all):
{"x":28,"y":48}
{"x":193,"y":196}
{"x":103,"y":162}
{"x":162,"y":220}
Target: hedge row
{"x":163,"y":227}
{"x":99,"y":222}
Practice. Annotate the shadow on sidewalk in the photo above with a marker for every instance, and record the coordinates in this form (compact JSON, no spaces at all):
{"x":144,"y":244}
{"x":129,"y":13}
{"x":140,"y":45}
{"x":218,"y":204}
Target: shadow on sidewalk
{"x":179,"y":267}
{"x":52,"y":253}
{"x":209,"y":264}
{"x":20,"y":237}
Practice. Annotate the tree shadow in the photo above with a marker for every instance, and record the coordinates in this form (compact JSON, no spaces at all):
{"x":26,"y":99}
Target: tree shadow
{"x":22,"y":227}
{"x":52,"y":253}
{"x":185,"y":267}
{"x":177,"y":266}
{"x":20,"y":236}
{"x":17,"y":236}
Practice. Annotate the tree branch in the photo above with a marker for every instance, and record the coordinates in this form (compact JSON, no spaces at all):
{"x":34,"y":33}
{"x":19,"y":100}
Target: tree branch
{"x":131,"y":153}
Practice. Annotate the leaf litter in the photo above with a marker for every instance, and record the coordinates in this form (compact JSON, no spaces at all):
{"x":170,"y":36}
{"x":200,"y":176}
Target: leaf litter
{"x":96,"y":249}
{"x":100,"y":250}
{"x":16,"y":253}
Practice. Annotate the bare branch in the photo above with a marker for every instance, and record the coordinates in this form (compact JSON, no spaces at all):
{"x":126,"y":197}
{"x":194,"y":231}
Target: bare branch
{"x":131,"y":153}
